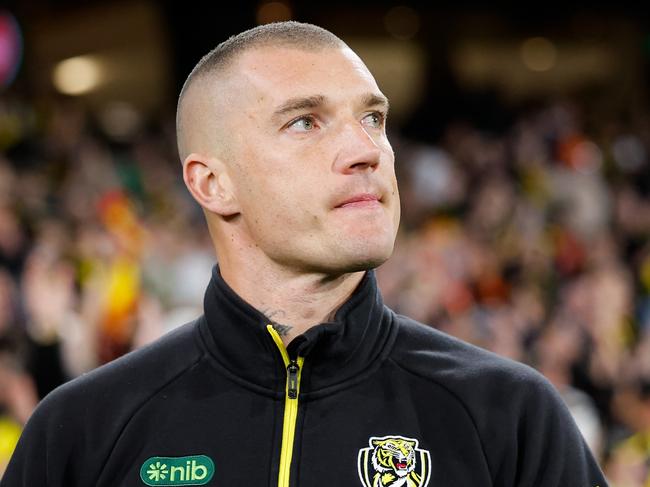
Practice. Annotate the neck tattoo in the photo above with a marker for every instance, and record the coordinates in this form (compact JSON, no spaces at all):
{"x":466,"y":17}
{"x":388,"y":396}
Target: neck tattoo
{"x":283,"y":330}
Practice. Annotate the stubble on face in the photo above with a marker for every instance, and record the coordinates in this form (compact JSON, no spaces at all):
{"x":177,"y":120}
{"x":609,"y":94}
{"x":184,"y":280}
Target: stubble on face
{"x":287,"y":179}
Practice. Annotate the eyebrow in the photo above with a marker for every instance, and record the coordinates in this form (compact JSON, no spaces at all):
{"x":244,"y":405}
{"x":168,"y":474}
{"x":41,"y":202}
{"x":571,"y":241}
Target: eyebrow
{"x":315,"y":101}
{"x":300,"y":103}
{"x":371,"y":100}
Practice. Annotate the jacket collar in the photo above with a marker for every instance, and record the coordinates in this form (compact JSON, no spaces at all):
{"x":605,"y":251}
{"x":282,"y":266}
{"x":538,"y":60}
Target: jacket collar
{"x":335,"y":352}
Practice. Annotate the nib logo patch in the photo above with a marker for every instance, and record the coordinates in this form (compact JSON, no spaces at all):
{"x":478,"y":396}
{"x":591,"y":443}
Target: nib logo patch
{"x":192,"y":470}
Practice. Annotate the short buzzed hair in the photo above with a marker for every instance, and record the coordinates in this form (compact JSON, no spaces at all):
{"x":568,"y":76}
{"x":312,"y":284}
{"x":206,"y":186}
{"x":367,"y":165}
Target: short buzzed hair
{"x":293,"y":34}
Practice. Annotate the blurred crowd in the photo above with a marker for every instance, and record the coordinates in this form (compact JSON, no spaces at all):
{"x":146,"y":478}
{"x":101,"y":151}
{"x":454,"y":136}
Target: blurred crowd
{"x":532,"y":242}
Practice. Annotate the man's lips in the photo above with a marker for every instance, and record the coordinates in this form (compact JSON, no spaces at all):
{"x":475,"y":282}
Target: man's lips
{"x":360,"y":201}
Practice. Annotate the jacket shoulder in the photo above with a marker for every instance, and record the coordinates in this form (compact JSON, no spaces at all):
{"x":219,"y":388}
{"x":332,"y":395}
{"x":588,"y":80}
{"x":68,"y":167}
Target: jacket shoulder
{"x":83,"y":418}
{"x":518,"y":414}
{"x":440,"y":357}
{"x":140,"y":372}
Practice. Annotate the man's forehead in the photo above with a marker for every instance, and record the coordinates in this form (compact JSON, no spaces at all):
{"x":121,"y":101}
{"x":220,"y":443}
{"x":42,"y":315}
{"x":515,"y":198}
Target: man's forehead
{"x":262,"y":55}
{"x":277,"y":72}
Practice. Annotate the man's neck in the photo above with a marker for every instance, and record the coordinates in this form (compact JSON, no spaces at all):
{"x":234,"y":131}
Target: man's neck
{"x":292,"y":302}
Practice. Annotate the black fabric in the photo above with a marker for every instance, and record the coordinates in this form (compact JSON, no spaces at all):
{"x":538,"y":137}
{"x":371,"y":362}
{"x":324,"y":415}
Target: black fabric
{"x":215,"y":387}
{"x":341,"y":349}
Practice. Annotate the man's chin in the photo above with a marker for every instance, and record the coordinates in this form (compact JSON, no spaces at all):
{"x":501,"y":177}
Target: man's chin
{"x":360,"y":259}
{"x":342,"y":263}
{"x":341,"y":255}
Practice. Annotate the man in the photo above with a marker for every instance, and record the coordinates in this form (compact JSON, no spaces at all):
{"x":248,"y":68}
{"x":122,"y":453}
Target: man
{"x":297,"y":374}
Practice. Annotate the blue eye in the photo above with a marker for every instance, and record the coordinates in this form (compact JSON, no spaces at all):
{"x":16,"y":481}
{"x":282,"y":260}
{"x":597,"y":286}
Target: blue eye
{"x":374,"y":119}
{"x":303,"y":124}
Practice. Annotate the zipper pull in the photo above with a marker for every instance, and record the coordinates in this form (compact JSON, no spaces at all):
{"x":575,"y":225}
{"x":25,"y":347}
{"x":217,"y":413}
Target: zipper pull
{"x":292,"y":376}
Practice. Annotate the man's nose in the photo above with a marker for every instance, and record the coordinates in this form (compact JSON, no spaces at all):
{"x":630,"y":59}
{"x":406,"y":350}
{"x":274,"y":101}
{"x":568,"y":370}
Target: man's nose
{"x":358,"y":151}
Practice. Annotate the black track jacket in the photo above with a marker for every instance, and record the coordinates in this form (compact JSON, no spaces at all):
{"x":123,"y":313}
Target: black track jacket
{"x":370,"y":399}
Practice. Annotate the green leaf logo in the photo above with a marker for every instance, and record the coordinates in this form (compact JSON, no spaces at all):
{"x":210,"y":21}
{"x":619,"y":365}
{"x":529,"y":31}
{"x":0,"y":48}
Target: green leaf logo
{"x":167,"y":471}
{"x":157,"y":472}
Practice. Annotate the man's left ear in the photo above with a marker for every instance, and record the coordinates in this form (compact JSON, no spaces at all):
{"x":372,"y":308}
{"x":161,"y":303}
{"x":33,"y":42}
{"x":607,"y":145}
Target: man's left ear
{"x":208,"y":181}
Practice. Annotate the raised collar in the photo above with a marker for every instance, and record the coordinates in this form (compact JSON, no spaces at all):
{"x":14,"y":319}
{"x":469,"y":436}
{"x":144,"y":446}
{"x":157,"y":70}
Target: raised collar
{"x":335,"y":352}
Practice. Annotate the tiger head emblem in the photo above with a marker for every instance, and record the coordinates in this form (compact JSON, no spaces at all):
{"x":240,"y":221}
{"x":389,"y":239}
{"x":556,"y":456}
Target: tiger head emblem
{"x":394,"y":461}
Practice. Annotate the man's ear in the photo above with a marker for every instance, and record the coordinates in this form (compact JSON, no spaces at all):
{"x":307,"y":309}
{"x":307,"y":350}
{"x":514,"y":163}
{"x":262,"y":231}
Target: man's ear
{"x":208,"y":180}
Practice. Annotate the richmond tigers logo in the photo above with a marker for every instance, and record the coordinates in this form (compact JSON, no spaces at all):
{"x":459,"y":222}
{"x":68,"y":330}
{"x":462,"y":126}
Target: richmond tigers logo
{"x":394,"y":461}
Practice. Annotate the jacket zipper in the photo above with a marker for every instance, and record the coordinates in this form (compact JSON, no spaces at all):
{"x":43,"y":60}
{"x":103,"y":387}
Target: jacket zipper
{"x":292,"y":390}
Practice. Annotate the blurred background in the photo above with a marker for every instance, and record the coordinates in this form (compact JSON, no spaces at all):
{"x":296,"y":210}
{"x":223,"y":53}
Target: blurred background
{"x":522,"y":139}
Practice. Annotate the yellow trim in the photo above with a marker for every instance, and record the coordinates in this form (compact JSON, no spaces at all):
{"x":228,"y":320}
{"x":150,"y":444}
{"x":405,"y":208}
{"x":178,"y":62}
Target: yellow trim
{"x":365,"y":465}
{"x":424,"y":467}
{"x":290,"y":413}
